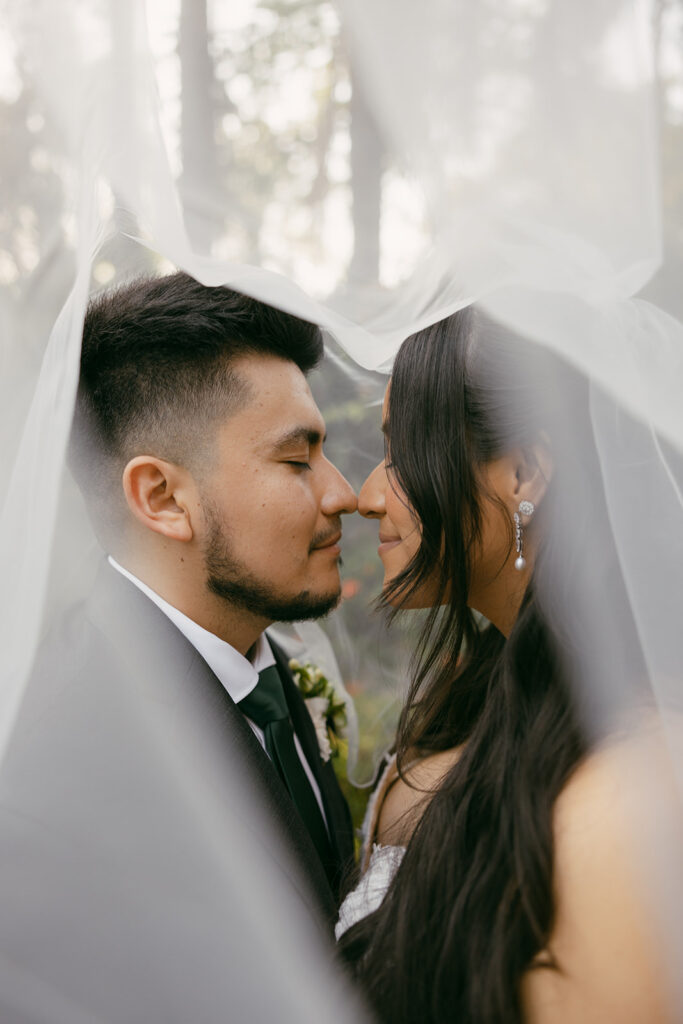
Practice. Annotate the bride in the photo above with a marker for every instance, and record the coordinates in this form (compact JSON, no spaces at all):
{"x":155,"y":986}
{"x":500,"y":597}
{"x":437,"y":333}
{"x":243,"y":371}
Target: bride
{"x":500,"y":882}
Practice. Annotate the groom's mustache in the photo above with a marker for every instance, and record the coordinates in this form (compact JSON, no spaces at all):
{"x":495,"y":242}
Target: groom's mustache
{"x":330,"y":535}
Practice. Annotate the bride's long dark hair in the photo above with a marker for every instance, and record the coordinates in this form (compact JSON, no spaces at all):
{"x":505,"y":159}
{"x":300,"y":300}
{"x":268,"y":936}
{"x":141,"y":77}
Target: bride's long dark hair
{"x":471,"y":906}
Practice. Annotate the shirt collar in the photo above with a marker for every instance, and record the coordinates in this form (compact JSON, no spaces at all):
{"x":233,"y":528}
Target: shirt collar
{"x":238,"y":674}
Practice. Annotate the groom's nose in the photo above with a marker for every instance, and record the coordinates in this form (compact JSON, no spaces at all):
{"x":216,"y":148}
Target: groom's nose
{"x":338,"y":495}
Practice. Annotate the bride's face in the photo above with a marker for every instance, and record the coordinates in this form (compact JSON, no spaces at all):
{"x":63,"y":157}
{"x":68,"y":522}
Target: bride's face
{"x":382,"y":499}
{"x":494,"y":587}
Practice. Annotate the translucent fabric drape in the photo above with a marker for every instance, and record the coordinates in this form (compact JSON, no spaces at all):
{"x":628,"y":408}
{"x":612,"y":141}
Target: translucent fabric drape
{"x":372,"y":167}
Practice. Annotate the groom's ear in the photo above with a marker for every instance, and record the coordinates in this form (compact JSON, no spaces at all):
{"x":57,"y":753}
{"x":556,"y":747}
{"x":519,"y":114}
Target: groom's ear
{"x":160,"y":495}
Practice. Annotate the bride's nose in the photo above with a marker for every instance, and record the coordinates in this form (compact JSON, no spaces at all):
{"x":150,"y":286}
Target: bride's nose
{"x":371,"y":495}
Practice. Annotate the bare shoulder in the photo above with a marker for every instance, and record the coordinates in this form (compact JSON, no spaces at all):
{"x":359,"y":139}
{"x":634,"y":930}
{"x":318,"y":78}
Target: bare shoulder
{"x":617,"y":789}
{"x":406,"y":800}
{"x":617,"y":828}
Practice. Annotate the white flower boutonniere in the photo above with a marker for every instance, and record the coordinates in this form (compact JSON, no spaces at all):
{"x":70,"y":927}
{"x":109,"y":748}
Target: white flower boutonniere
{"x":327,"y":710}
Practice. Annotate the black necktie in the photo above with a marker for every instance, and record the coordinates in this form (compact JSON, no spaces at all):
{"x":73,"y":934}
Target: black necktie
{"x":267,"y":707}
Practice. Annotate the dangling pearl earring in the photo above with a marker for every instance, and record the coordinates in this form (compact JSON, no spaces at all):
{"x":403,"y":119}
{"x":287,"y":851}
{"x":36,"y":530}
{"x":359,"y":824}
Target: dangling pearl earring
{"x":526,"y":508}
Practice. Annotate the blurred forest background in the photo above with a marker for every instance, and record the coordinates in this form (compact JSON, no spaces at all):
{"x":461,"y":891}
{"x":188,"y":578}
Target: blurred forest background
{"x":278,"y":163}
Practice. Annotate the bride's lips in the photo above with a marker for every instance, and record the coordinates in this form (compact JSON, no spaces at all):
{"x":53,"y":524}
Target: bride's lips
{"x":387,"y":543}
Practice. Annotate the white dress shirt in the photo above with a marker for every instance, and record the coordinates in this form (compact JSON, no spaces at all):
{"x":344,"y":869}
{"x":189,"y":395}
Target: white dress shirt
{"x":238,"y":675}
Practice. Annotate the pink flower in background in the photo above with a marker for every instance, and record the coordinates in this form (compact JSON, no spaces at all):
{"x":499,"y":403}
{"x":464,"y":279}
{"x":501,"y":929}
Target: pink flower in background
{"x":350,"y":588}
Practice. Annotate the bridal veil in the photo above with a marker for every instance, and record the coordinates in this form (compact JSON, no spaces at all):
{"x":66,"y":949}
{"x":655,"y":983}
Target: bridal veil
{"x":372,"y":167}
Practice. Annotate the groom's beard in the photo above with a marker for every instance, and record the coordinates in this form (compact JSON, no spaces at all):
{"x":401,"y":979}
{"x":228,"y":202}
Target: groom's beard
{"x":230,"y":579}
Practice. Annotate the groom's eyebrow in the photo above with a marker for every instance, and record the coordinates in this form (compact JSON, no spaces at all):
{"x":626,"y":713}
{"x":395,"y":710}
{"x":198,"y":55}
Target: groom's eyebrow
{"x":296,"y":437}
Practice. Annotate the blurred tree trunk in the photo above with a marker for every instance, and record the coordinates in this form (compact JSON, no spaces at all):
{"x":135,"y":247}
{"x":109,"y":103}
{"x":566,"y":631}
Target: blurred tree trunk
{"x":121,"y":250}
{"x":366,"y":184}
{"x":200,"y":181}
{"x":664,"y":287}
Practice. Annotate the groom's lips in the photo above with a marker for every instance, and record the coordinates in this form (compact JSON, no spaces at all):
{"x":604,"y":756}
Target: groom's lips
{"x":330,"y":545}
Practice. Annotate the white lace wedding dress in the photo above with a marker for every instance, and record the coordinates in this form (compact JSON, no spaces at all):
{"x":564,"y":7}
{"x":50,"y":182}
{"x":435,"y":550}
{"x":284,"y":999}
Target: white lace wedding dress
{"x":379,"y":863}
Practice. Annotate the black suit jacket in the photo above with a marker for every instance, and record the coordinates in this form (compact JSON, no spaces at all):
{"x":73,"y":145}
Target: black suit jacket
{"x":336,"y":808}
{"x":129,"y":751}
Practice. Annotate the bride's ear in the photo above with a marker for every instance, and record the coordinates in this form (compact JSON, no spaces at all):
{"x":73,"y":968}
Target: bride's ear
{"x":533,"y":471}
{"x":159,"y":495}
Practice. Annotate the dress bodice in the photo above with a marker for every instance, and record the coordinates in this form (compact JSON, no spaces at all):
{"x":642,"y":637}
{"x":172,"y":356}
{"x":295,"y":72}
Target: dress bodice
{"x":383,"y":863}
{"x":378,"y":863}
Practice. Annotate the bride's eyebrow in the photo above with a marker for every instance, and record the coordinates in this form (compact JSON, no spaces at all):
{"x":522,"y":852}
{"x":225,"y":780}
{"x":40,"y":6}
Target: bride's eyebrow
{"x":296,"y":437}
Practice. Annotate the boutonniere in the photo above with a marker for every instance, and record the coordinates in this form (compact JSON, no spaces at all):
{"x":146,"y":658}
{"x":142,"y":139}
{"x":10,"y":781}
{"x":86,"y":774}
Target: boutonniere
{"x":326,"y":708}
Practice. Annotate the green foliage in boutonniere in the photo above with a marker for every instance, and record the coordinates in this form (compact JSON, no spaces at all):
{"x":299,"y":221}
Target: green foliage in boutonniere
{"x":327,"y":710}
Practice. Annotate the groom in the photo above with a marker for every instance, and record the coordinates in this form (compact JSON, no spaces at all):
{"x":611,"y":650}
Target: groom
{"x":199,"y":449}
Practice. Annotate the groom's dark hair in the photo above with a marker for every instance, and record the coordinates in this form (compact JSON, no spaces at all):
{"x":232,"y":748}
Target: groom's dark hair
{"x":156,"y":371}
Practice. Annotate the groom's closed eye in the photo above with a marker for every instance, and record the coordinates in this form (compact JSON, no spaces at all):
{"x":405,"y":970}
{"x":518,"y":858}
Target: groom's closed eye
{"x":296,"y":445}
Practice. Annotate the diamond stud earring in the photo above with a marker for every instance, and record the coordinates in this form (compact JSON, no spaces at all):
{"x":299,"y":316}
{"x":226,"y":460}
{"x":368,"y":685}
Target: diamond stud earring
{"x":526,"y":508}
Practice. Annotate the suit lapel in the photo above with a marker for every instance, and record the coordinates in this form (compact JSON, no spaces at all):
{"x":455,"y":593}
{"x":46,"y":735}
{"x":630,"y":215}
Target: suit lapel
{"x":336,"y":808}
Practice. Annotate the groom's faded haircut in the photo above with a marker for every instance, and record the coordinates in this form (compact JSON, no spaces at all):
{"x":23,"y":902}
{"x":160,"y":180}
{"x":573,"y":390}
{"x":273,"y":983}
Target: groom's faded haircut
{"x":156,"y":372}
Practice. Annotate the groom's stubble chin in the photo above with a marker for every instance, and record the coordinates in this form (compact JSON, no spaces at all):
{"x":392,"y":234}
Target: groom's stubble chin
{"x":230,"y":579}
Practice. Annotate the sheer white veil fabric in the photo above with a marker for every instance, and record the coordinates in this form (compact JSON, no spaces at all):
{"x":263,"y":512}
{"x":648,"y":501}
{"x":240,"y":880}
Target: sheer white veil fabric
{"x":517,"y":153}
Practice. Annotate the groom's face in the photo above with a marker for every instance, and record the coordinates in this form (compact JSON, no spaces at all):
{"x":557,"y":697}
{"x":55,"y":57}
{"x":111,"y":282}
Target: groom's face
{"x":272,"y":503}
